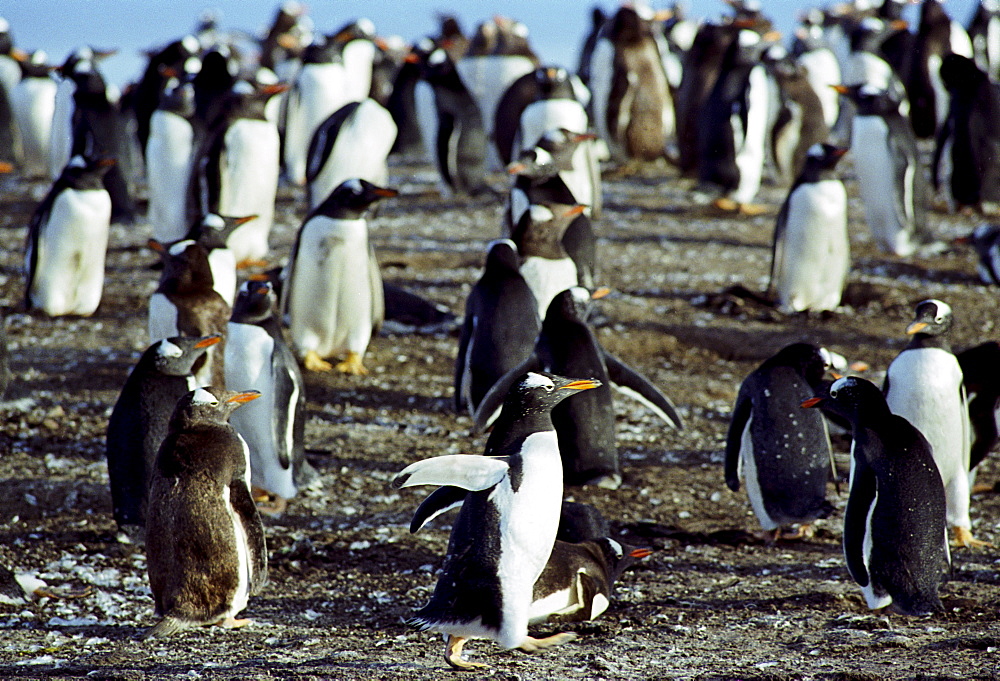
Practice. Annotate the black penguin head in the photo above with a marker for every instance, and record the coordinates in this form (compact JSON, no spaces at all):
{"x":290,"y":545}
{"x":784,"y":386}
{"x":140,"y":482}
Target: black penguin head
{"x":208,"y":405}
{"x":808,"y":361}
{"x":212,"y":231}
{"x":501,"y":254}
{"x":352,"y":198}
{"x":540,"y":229}
{"x":86,"y":173}
{"x":852,"y":397}
{"x":870,"y":100}
{"x":824,"y":156}
{"x":185,"y":265}
{"x":254,"y":302}
{"x":552,"y":82}
{"x":620,"y":557}
{"x":961,"y":75}
{"x":539,"y":392}
{"x":176,"y":356}
{"x":931,"y":318}
{"x":360,"y":29}
{"x":553,"y":153}
{"x":574,"y":304}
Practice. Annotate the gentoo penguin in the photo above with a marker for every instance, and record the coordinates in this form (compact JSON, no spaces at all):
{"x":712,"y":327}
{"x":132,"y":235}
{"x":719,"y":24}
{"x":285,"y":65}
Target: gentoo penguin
{"x":981,"y":377}
{"x":578,"y":580}
{"x":68,"y":241}
{"x":822,"y":70}
{"x":924,"y":386}
{"x":597,"y":20}
{"x":406,"y":312}
{"x":212,"y":232}
{"x":548,"y":173}
{"x":895,"y":539}
{"x":782,"y":453}
{"x":546,"y":263}
{"x":986,"y":240}
{"x":164,"y":64}
{"x":138,"y":424}
{"x":354,"y":141}
{"x":333,"y":289}
{"x":632,"y":109}
{"x":585,"y":426}
{"x":33,"y":102}
{"x":811,"y":251}
{"x":185,"y":304}
{"x":798,"y":120}
{"x":235,"y":170}
{"x":274,"y":426}
{"x":500,"y":327}
{"x":968,"y":144}
{"x":542,"y":100}
{"x":205,"y":547}
{"x":890,"y":177}
{"x":170,"y":142}
{"x":504,"y":534}
{"x":284,"y":36}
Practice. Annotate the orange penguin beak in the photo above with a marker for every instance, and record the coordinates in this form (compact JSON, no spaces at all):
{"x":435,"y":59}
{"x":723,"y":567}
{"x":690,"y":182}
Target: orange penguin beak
{"x":600,"y":293}
{"x":385,"y":193}
{"x":641,"y":553}
{"x":575,"y":210}
{"x":915,"y":327}
{"x":245,"y":219}
{"x":585,"y":384}
{"x":811,"y":402}
{"x":208,"y":341}
{"x":242,"y":398}
{"x":515,"y":168}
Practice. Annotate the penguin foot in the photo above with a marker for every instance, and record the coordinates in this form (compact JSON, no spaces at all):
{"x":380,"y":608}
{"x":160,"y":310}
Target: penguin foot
{"x":252,"y":262}
{"x":805,"y":531}
{"x":962,"y":538}
{"x":531,"y":645}
{"x":453,"y":655}
{"x":751,"y":209}
{"x":726,"y":205}
{"x":233,"y":623}
{"x":66,"y":593}
{"x":313,"y":362}
{"x":267,"y":503}
{"x":352,"y":365}
{"x":606,"y":481}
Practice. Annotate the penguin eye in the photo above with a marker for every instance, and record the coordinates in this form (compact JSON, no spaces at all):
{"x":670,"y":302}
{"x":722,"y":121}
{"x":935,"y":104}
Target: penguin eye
{"x":833,"y":394}
{"x":939,"y":319}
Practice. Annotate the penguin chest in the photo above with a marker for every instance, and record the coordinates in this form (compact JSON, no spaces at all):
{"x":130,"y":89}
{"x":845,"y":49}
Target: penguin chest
{"x":168,"y":169}
{"x":750,"y":145}
{"x":547,"y":278}
{"x":248,"y":182}
{"x":241,"y":595}
{"x":884,"y":201}
{"x":222,"y":262}
{"x":33,"y":102}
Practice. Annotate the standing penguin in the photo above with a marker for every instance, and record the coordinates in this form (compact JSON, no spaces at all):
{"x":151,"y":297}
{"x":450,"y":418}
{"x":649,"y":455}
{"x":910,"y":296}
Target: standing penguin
{"x":68,"y":241}
{"x":585,"y":426}
{"x":138,"y":424}
{"x":170,"y":143}
{"x":333,"y":292}
{"x":811,"y":251}
{"x":782,"y":453}
{"x":895,"y":540}
{"x":799,"y":123}
{"x":186,"y":304}
{"x":33,"y":101}
{"x":890,"y":177}
{"x":212,"y":232}
{"x":354,"y":141}
{"x":503,"y":535}
{"x":274,"y":427}
{"x":205,"y":545}
{"x":501,"y":324}
{"x":924,"y":386}
{"x":546,"y":263}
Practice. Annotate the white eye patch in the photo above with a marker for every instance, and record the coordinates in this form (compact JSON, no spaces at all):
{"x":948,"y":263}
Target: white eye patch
{"x":202,"y":396}
{"x":533,"y":380}
{"x":168,"y":349}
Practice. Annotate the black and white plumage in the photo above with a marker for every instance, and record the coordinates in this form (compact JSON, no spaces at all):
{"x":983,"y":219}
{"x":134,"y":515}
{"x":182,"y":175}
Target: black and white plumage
{"x":273,"y":426}
{"x":68,"y":241}
{"x":811,"y":251}
{"x":782,"y":453}
{"x":212,"y":232}
{"x":169,"y":146}
{"x":895,"y":539}
{"x":549,"y":263}
{"x":138,"y":423}
{"x":981,"y":376}
{"x":33,"y":103}
{"x":504,"y":534}
{"x":924,"y":385}
{"x":986,"y":240}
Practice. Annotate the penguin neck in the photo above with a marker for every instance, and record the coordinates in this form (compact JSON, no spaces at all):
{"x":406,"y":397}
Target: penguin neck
{"x":511,"y":430}
{"x":923,"y":340}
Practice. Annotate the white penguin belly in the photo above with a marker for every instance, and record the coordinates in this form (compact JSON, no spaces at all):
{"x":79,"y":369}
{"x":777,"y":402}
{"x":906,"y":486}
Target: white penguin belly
{"x":33,"y":102}
{"x":249,"y":183}
{"x":168,"y":171}
{"x":748,"y":468}
{"x":319,"y":91}
{"x":358,"y":56}
{"x":527,"y":530}
{"x":330,"y":306}
{"x":547,"y":278}
{"x":816,"y":250}
{"x":72,"y":245}
{"x":162,"y":321}
{"x":925,"y":389}
{"x":822,"y":71}
{"x":750,"y":154}
{"x":872,"y":598}
{"x":242,"y":594}
{"x":877,"y":184}
{"x":222,"y":262}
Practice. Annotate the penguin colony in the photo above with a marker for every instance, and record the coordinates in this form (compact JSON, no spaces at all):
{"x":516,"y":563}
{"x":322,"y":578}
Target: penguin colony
{"x":728,"y":101}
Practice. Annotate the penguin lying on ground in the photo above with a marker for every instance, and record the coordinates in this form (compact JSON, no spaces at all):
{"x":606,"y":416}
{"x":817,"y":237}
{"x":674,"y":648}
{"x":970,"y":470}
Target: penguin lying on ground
{"x":504,"y":534}
{"x":895,"y":538}
{"x":782,"y":453}
{"x":205,"y":543}
{"x":138,"y":424}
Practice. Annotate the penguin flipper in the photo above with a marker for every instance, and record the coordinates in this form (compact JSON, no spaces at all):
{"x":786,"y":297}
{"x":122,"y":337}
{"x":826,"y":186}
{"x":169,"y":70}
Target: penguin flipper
{"x":493,"y":399}
{"x":377,"y":292}
{"x":778,"y":246}
{"x":284,"y":387}
{"x":244,"y":507}
{"x":630,"y":382}
{"x":441,"y":500}
{"x":863,"y":490}
{"x":472,"y":473}
{"x":464,"y":338}
{"x":734,"y":439}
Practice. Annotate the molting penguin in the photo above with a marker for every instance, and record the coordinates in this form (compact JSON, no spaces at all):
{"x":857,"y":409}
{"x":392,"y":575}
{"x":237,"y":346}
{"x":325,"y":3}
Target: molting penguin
{"x":354,"y":142}
{"x":333,"y":292}
{"x":205,"y":542}
{"x":895,"y":540}
{"x":782,"y":453}
{"x":68,"y":241}
{"x":186,"y":304}
{"x":890,"y":177}
{"x":799,"y":123}
{"x":821,"y":69}
{"x":924,"y":386}
{"x":586,"y":426}
{"x":274,"y":427}
{"x":811,"y":251}
{"x":138,"y":424}
{"x":500,"y":327}
{"x":33,"y":101}
{"x":504,"y":534}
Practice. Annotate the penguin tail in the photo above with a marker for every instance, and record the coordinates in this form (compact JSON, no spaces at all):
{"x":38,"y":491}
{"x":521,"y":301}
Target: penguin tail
{"x":166,"y":627}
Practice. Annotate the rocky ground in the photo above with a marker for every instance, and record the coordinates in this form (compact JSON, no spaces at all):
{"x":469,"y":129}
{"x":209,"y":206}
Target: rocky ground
{"x":710,"y":603}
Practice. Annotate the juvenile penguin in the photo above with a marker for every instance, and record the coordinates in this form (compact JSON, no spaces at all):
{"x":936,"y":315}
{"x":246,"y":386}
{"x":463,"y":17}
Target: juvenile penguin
{"x":811,"y":251}
{"x":782,"y":453}
{"x":212,"y":232}
{"x":68,"y":241}
{"x":205,"y":545}
{"x":333,"y":291}
{"x":503,"y":536}
{"x":924,"y":386}
{"x":895,"y":538}
{"x":577,"y":582}
{"x":274,"y":426}
{"x":585,"y":426}
{"x":500,"y":326}
{"x":138,"y":424}
{"x":186,"y":304}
